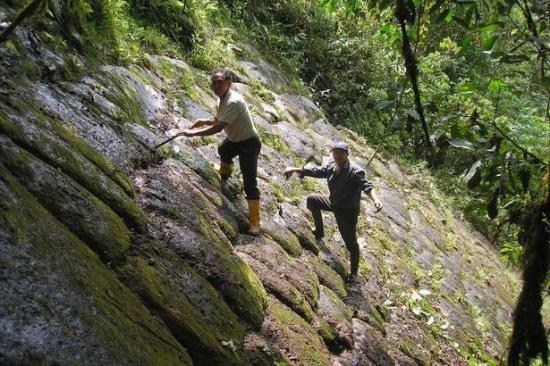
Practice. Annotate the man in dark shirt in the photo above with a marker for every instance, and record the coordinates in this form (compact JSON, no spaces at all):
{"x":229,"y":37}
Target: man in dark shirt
{"x":345,"y":181}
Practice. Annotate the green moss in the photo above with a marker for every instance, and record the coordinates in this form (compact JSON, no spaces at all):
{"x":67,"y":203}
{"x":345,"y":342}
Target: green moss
{"x":174,"y":213}
{"x":125,"y":328}
{"x":82,"y":212}
{"x":188,"y":325}
{"x":284,"y":237}
{"x":298,"y":337}
{"x":126,"y":99}
{"x":328,"y":277}
{"x":69,"y":162}
{"x":275,"y":141}
{"x":107,"y":167}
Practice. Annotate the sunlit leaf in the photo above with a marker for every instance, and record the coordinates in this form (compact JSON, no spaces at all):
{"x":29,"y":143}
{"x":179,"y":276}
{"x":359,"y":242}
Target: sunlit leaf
{"x":496,"y":85}
{"x":473,"y":177}
{"x":383,"y":104}
{"x":449,"y":16}
{"x":461,"y":143}
{"x":425,"y":292}
{"x":468,"y":87}
{"x":489,"y":42}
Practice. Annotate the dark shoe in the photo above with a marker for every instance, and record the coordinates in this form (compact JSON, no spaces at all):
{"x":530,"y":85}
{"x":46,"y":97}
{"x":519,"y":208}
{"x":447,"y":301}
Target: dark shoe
{"x":318,"y":234}
{"x":351,"y":280}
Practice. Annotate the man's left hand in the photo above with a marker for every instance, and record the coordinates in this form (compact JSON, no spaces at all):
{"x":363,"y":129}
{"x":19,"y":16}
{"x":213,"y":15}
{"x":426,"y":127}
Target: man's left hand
{"x":378,"y":205}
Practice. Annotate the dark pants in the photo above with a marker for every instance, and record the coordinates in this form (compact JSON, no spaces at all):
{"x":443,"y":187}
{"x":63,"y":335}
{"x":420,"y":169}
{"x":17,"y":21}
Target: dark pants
{"x":347,"y":224}
{"x":248,"y":151}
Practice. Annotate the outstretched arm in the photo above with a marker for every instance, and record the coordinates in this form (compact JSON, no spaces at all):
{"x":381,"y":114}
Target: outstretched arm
{"x":291,"y":170}
{"x":206,"y":131}
{"x":316,"y":171}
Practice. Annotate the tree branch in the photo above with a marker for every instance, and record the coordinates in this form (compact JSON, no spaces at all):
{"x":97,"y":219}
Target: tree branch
{"x":29,"y":10}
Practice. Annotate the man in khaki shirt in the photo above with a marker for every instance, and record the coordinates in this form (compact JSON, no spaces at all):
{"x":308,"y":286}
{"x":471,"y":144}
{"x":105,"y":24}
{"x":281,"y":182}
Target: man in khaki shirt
{"x":242,"y":140}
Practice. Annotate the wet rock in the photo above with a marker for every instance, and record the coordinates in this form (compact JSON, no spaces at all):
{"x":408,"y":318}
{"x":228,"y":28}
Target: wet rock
{"x":294,"y":337}
{"x":275,"y":227}
{"x":369,"y":346}
{"x":301,"y":109}
{"x":327,"y":276}
{"x":338,"y":315}
{"x":297,"y":142}
{"x":60,"y":305}
{"x":296,"y":222}
{"x":71,"y":204}
{"x":259,"y":351}
{"x":99,"y":131}
{"x":283,"y":276}
{"x":95,"y":175}
{"x":266,"y":74}
{"x":139,"y":85}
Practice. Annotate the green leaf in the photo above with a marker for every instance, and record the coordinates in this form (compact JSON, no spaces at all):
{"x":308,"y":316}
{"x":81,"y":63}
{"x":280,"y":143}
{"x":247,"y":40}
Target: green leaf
{"x":449,"y":16}
{"x":443,"y":15}
{"x":469,"y":14}
{"x":489,"y":42}
{"x":545,"y":81}
{"x":468,"y":87}
{"x":496,"y":85}
{"x":466,"y":42}
{"x":473,"y":177}
{"x":416,"y":3}
{"x":461,"y":143}
{"x":411,"y":33}
{"x":513,"y":59}
{"x":382,"y":104}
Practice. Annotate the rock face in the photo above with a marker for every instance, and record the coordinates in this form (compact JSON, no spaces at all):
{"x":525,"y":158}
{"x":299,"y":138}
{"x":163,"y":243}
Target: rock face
{"x":111,"y":253}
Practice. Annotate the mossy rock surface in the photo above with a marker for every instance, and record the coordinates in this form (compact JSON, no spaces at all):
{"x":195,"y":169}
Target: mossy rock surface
{"x":181,"y":212}
{"x":297,"y":339}
{"x":283,"y":276}
{"x":276,"y":229}
{"x":177,"y":190}
{"x":297,"y":222}
{"x":189,"y":306}
{"x":72,"y":157}
{"x":60,"y":305}
{"x":93,"y":221}
{"x":337,"y":315}
{"x":327,"y":276}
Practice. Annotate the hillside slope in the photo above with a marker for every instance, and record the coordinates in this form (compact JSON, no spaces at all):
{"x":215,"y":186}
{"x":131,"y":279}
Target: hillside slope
{"x":112,"y":253}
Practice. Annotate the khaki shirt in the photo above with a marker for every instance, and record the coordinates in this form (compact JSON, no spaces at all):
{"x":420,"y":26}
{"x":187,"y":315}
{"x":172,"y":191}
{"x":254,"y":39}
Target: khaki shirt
{"x":234,"y":111}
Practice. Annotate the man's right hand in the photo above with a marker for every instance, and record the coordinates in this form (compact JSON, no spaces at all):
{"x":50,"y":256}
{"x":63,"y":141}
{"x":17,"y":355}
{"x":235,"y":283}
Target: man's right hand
{"x":289,"y":171}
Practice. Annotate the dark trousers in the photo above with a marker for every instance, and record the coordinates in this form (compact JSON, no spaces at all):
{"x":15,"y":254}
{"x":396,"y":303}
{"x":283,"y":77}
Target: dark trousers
{"x":248,"y":151}
{"x":347,"y":224}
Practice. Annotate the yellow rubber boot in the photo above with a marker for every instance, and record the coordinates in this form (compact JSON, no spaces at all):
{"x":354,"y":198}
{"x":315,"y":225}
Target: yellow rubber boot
{"x":224,"y":170}
{"x":254,"y":216}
